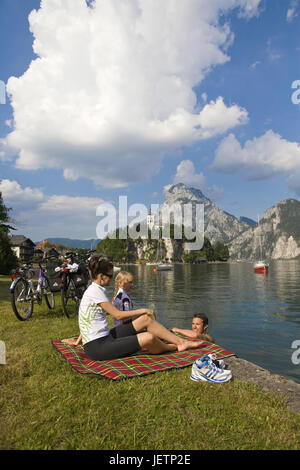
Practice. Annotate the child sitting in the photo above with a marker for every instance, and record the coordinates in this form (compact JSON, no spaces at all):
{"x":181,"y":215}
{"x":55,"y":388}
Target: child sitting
{"x":199,"y":327}
{"x":121,"y":299}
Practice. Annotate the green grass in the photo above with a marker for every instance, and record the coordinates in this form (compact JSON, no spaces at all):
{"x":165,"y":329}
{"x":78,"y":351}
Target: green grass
{"x":45,"y":404}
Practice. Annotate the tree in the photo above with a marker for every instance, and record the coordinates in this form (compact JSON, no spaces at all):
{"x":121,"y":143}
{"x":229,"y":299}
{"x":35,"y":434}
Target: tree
{"x":117,"y":249}
{"x":221,"y":251}
{"x":4,"y":217}
{"x":8,"y":259}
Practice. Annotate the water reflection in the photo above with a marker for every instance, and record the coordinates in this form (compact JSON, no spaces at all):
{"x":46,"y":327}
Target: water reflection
{"x":255,"y":315}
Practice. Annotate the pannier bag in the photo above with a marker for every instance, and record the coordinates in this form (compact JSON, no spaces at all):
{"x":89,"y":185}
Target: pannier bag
{"x":81,"y":277}
{"x":54,"y":278}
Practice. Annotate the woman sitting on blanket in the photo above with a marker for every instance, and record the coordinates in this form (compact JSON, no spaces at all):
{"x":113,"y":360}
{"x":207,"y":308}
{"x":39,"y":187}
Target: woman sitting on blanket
{"x":141,"y":332}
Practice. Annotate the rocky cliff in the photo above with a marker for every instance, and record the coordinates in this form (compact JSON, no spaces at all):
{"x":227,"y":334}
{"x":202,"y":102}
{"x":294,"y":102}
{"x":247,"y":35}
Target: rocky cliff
{"x":218,"y":225}
{"x":277,"y":235}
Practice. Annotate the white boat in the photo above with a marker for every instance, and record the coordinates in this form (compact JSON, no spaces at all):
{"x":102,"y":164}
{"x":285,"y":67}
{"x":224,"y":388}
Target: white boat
{"x":158,"y":265}
{"x":260,"y":266}
{"x":163,"y":267}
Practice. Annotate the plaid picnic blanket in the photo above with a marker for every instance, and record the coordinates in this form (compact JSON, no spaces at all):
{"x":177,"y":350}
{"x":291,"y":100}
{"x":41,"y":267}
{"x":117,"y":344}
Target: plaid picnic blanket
{"x":138,"y":364}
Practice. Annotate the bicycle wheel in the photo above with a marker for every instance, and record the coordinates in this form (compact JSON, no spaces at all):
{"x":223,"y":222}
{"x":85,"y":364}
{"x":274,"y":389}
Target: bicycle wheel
{"x":49,"y":296}
{"x":22,"y":300}
{"x":69,"y":299}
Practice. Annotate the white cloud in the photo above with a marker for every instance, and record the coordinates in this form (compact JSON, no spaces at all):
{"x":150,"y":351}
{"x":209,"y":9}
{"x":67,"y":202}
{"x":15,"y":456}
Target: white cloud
{"x":186,"y":174}
{"x":75,"y":207}
{"x":272,"y":51}
{"x":7,"y":151}
{"x":249,"y":8}
{"x":292,"y":10}
{"x":15,"y":194}
{"x":167,"y":187}
{"x":41,"y":215}
{"x":255,"y":64}
{"x":204,"y":97}
{"x":260,"y":158}
{"x":111,"y":92}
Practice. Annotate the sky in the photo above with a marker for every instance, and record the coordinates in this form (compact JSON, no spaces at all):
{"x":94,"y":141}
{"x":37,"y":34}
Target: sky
{"x":108,"y":98}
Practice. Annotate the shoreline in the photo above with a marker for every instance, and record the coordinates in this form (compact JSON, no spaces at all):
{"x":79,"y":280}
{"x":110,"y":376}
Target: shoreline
{"x":269,"y":382}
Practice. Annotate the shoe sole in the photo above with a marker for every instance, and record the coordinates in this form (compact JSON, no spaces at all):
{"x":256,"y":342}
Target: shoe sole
{"x":203,"y":378}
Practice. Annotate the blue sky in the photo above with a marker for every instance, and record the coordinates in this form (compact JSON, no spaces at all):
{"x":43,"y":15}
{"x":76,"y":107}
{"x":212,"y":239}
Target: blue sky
{"x":127,"y":100}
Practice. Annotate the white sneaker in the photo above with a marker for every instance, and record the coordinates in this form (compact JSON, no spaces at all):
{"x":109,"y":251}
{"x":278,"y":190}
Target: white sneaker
{"x":204,"y":370}
{"x":218,"y":362}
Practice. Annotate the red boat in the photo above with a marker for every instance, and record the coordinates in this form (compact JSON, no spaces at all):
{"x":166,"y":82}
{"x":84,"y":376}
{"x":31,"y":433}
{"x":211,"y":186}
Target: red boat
{"x":261,"y":267}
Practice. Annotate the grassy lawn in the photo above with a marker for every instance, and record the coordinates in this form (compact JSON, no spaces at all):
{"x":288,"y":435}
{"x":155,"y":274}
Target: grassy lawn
{"x":45,"y":404}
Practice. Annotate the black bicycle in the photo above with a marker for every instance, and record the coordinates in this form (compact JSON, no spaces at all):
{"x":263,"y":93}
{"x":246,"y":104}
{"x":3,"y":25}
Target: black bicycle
{"x":75,"y":279}
{"x":24,"y":292}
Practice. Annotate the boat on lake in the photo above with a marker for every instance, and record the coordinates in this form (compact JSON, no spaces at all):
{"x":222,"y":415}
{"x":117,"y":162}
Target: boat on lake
{"x":260,"y":266}
{"x":160,"y":266}
{"x":163,"y":267}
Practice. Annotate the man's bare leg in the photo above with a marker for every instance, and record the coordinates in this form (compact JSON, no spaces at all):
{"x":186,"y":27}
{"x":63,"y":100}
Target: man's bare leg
{"x":158,"y":330}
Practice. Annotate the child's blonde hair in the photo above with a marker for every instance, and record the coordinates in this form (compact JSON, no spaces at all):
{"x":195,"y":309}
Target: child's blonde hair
{"x":120,"y":277}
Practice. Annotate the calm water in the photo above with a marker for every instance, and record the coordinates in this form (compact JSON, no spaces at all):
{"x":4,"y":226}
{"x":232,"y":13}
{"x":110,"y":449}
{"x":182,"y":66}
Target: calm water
{"x":256,"y":316}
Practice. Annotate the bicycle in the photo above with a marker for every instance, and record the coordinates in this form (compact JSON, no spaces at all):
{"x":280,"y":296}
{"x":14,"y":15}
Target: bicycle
{"x":75,"y":279}
{"x":24,"y":293}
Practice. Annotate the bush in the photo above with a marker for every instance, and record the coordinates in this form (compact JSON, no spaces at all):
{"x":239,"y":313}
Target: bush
{"x":221,"y":251}
{"x":8,"y":259}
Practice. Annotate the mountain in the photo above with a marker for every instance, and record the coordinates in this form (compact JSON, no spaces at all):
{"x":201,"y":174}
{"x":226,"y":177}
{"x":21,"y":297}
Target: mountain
{"x":248,"y":221}
{"x":74,"y":243}
{"x":278,"y":230}
{"x":218,"y":224}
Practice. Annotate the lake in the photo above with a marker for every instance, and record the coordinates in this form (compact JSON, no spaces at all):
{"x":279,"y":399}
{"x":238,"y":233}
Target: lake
{"x":256,"y":316}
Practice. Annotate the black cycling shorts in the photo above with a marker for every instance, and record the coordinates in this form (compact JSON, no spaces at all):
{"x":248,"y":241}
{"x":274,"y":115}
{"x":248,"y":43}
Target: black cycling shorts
{"x":120,"y":342}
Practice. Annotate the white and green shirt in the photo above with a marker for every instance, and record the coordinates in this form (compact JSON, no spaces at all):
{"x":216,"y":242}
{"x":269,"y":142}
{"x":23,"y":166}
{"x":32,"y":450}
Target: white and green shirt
{"x":92,"y":319}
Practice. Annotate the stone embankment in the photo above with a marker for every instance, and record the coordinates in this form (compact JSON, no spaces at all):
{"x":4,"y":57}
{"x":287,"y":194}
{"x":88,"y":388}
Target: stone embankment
{"x":271,"y":383}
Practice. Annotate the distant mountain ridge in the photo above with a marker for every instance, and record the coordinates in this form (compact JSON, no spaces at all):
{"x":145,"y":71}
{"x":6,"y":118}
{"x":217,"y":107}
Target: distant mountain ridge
{"x":278,"y":230}
{"x":218,"y":224}
{"x":278,"y":234}
{"x":248,"y":221}
{"x":74,"y":243}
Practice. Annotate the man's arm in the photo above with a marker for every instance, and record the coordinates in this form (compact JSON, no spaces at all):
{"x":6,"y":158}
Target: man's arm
{"x":206,"y":337}
{"x":193,"y":335}
{"x":189,"y":333}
